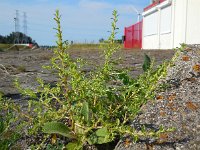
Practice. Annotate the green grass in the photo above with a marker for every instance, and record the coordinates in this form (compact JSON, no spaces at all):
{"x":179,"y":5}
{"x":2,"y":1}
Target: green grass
{"x":5,"y":47}
{"x":85,"y":46}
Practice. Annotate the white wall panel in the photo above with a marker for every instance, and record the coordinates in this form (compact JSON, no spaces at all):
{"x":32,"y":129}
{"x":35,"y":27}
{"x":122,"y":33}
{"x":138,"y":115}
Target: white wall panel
{"x":166,"y":19}
{"x":193,"y":22}
{"x":150,"y":42}
{"x":179,"y":23}
{"x":151,"y":24}
{"x":169,"y":24}
{"x":165,"y":40}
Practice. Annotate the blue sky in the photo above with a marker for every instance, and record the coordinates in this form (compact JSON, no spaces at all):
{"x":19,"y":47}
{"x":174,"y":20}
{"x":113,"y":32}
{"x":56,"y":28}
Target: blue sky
{"x":82,"y":20}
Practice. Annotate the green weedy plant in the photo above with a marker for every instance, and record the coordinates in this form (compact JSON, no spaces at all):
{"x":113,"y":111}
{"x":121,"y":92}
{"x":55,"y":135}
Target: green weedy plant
{"x":92,"y":109}
{"x":98,"y":111}
{"x":147,"y":63}
{"x":8,"y":137}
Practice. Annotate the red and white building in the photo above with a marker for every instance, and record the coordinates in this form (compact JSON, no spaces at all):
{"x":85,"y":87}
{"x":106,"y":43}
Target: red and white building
{"x":165,"y":25}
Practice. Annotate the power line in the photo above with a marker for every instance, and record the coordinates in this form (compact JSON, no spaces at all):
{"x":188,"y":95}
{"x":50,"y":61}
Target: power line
{"x":17,"y":27}
{"x":25,"y":24}
{"x":25,"y":40}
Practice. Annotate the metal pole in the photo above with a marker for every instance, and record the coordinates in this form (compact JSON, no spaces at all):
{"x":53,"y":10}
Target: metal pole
{"x":25,"y":23}
{"x":15,"y":31}
{"x":16,"y":34}
{"x":138,"y":17}
{"x":17,"y":21}
{"x":15,"y":24}
{"x":25,"y":29}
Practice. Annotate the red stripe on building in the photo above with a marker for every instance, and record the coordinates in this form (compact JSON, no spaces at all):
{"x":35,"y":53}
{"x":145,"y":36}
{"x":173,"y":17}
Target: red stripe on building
{"x":153,"y":4}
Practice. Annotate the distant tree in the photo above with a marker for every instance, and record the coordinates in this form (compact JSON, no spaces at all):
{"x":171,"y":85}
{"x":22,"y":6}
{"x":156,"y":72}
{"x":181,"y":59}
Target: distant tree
{"x":10,"y":39}
{"x":101,"y":40}
{"x":2,"y":39}
{"x":119,"y":41}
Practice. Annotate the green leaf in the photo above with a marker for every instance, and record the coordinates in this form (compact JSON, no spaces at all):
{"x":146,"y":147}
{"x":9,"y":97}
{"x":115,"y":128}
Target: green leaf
{"x":92,"y":139}
{"x":102,"y":132}
{"x":124,"y":77}
{"x":57,"y":128}
{"x":135,"y":138}
{"x":85,"y":111}
{"x":74,"y":146}
{"x":1,"y":126}
{"x":99,"y":137}
{"x":79,"y":129}
{"x":147,"y":63}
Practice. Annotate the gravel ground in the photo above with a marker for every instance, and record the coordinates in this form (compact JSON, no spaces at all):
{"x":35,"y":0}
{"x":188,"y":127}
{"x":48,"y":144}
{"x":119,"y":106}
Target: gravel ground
{"x":177,"y":106}
{"x":26,"y":65}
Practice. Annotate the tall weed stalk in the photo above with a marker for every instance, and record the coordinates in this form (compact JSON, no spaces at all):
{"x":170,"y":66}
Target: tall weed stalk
{"x":89,"y":109}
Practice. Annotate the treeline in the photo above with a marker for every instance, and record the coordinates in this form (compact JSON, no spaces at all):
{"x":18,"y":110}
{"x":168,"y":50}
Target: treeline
{"x":119,"y":41}
{"x":16,"y":37}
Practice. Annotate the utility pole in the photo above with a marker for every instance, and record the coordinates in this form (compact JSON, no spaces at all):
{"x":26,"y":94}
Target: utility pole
{"x":17,"y":28}
{"x":25,"y":40}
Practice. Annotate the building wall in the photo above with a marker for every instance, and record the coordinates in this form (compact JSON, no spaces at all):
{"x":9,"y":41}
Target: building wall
{"x":176,"y":23}
{"x":165,"y":41}
{"x":165,"y":27}
{"x":179,"y":22}
{"x":161,"y":19}
{"x":150,"y":31}
{"x":150,"y":42}
{"x":193,"y":22}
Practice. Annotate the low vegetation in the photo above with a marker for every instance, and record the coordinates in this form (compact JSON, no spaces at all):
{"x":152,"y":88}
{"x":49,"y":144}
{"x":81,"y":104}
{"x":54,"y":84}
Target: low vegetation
{"x":4,"y":46}
{"x":8,"y":47}
{"x":84,"y":46}
{"x":82,"y":110}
